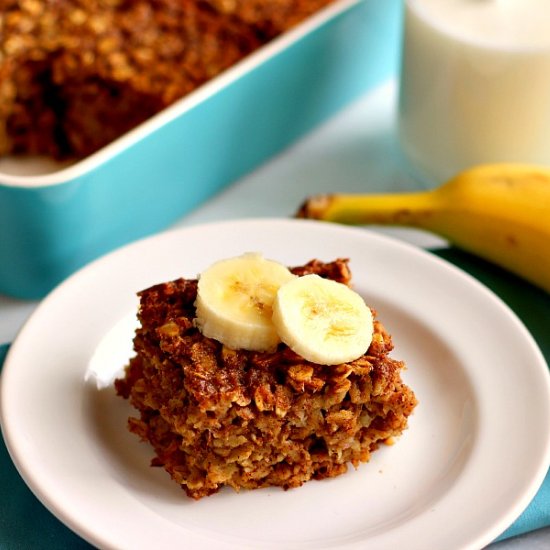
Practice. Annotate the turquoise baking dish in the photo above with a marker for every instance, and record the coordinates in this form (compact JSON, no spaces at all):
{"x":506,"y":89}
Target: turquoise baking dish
{"x":54,"y":222}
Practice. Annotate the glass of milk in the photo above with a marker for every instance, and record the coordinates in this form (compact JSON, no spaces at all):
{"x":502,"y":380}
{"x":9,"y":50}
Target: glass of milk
{"x":475,"y":84}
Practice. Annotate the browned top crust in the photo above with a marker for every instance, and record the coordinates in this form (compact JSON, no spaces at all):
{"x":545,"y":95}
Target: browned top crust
{"x":214,"y":373}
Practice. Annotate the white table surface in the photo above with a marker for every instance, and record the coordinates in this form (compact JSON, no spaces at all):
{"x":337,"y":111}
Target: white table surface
{"x":355,"y":151}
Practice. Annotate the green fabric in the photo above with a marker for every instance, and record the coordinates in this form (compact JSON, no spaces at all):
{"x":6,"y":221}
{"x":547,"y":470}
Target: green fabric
{"x":25,"y":523}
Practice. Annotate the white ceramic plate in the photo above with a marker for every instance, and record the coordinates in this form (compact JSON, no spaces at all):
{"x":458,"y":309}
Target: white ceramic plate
{"x":475,"y":453}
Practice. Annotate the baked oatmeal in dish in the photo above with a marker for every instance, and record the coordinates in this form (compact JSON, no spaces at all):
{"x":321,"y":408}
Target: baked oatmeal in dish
{"x":76,"y":74}
{"x":218,"y":416}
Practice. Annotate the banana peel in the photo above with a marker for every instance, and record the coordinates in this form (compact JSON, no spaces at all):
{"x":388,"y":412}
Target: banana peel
{"x":500,"y":212}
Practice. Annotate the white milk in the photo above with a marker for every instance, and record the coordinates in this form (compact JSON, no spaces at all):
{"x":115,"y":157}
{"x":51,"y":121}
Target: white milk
{"x":475,"y":84}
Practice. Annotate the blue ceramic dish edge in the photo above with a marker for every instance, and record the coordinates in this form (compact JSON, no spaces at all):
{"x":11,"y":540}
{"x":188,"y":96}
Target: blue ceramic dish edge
{"x":154,"y":175}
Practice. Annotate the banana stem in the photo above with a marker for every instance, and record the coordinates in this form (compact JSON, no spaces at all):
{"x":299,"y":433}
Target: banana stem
{"x":384,"y":209}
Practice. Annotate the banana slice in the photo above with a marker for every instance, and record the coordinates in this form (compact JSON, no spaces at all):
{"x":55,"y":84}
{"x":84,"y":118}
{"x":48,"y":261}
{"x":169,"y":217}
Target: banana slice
{"x":323,"y":321}
{"x":234,"y":301}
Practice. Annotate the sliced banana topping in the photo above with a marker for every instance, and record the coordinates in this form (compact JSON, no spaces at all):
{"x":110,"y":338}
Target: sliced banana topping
{"x":323,"y":321}
{"x":235,"y":299}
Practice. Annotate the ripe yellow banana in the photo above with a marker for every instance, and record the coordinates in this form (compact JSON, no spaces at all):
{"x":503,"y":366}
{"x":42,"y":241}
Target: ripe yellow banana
{"x":235,"y":298}
{"x":252,"y":303}
{"x":500,"y":212}
{"x":323,"y":321}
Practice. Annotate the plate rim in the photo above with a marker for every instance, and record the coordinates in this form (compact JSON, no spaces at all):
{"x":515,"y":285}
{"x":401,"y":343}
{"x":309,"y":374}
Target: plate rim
{"x":489,"y":535}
